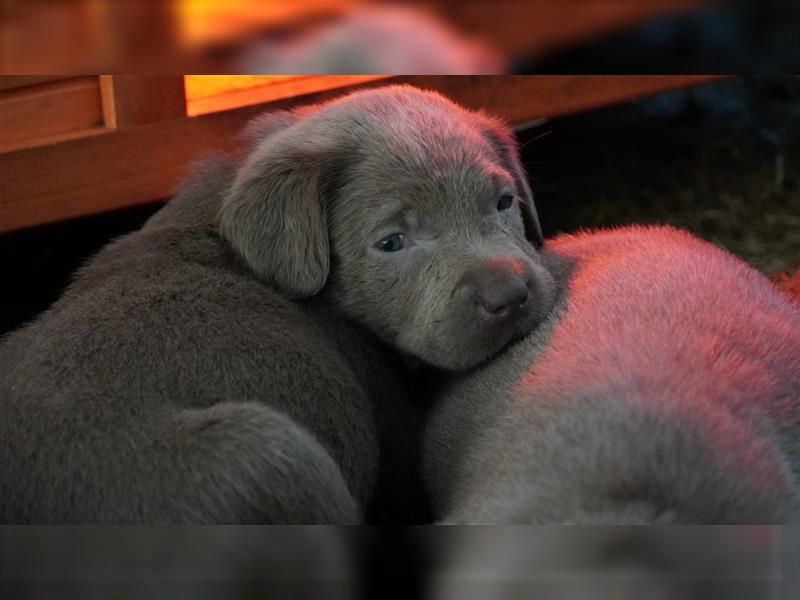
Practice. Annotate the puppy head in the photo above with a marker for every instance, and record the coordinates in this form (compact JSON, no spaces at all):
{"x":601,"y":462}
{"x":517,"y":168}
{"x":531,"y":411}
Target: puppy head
{"x":412,"y":213}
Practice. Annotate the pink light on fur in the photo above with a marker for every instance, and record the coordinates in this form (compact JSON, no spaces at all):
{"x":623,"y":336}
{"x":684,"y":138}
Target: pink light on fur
{"x":670,"y":326}
{"x":507,"y":263}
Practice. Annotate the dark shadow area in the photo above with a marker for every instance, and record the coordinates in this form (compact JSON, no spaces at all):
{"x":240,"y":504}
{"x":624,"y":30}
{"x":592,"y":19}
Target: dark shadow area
{"x":722,"y":160}
{"x":36,"y":264}
{"x":752,"y":37}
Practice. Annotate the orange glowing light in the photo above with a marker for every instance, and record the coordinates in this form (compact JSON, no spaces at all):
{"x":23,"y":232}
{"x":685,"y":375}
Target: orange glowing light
{"x":202,"y":22}
{"x":213,"y":93}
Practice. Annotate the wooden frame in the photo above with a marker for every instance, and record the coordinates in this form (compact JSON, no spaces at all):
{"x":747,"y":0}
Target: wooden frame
{"x":136,"y":99}
{"x":143,"y":155}
{"x":38,"y":111}
{"x":241,"y":90}
{"x":542,"y":26}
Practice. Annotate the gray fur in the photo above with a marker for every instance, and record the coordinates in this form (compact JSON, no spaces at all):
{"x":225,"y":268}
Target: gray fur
{"x":306,"y":210}
{"x":664,"y":387}
{"x":192,"y":377}
{"x":610,"y":563}
{"x":159,"y":389}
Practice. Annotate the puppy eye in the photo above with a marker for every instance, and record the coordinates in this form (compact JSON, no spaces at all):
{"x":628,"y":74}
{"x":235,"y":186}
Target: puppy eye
{"x":505,"y":202}
{"x":393,"y":243}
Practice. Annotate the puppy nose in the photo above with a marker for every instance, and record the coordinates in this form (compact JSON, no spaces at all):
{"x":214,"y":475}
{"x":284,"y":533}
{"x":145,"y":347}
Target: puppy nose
{"x":498,"y":289}
{"x":503,"y":296}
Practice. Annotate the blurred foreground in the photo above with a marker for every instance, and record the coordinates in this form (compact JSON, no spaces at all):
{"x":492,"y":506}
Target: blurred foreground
{"x":554,"y":563}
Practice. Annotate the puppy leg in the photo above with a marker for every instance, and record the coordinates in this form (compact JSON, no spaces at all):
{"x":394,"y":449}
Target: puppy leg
{"x":605,"y":459}
{"x":245,"y":463}
{"x":232,"y":463}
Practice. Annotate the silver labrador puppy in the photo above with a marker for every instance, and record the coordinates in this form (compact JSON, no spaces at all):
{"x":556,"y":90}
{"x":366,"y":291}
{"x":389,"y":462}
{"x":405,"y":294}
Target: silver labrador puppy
{"x":663,"y":387}
{"x":231,"y":363}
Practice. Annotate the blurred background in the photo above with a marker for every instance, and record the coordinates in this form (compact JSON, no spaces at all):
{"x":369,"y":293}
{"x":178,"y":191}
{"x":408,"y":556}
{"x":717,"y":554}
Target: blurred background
{"x":399,"y":37}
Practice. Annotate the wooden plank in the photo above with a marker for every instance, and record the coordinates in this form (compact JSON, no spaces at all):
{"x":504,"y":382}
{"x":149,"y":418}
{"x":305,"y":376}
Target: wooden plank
{"x":48,"y":112}
{"x":536,"y":26}
{"x":202,"y":23}
{"x":137,"y":99}
{"x":522,"y":98}
{"x":141,"y":164}
{"x":214,"y":93}
{"x":126,"y":168}
{"x":9,"y":82}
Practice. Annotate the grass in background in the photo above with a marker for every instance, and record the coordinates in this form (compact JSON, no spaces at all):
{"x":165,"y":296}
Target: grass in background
{"x":722,"y":160}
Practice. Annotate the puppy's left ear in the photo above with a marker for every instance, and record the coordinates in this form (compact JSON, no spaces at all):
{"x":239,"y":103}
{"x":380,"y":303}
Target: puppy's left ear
{"x":505,"y":145}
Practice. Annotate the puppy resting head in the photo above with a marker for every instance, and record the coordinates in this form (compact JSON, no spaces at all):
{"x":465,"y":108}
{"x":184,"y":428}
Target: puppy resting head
{"x":411,"y":214}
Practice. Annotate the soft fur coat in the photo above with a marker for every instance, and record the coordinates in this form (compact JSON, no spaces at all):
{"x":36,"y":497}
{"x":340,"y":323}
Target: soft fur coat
{"x":170,"y":385}
{"x":664,"y":387}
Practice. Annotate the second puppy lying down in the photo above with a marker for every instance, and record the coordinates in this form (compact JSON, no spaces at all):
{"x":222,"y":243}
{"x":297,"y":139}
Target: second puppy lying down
{"x":664,"y":387}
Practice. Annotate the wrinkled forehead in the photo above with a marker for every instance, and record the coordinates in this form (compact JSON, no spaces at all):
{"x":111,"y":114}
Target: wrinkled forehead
{"x":432,"y":133}
{"x":428,"y":166}
{"x":428,"y":158}
{"x":427,"y":128}
{"x":446,"y":170}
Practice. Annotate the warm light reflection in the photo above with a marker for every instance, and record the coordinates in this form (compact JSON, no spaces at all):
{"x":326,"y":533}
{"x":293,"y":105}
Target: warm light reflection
{"x":211,"y":21}
{"x":213,"y":93}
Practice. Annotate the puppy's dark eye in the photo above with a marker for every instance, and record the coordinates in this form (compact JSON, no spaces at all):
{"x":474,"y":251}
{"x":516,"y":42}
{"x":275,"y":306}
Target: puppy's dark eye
{"x":393,"y":243}
{"x":505,"y":202}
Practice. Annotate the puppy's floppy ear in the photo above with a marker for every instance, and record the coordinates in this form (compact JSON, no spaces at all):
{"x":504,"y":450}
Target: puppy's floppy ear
{"x":505,"y":145}
{"x":274,"y":214}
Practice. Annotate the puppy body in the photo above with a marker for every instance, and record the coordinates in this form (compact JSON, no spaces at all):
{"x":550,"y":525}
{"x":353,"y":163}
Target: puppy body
{"x":663,"y":387}
{"x":220,"y":364}
{"x":169,"y":385}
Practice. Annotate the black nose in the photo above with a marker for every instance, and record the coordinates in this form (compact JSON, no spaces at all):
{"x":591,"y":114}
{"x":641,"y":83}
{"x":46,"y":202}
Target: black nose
{"x":503,"y":296}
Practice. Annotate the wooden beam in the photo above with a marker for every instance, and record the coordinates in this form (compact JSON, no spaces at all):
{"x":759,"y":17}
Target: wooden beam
{"x":522,"y":98}
{"x":141,"y":164}
{"x":214,"y":93}
{"x":138,"y":99}
{"x":47,"y":112}
{"x":535,"y":26}
{"x":9,"y":82}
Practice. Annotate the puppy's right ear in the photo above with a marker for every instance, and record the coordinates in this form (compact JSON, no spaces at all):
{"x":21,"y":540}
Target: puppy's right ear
{"x":505,"y":145}
{"x":274,"y":215}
